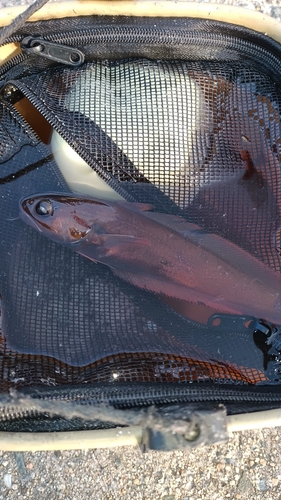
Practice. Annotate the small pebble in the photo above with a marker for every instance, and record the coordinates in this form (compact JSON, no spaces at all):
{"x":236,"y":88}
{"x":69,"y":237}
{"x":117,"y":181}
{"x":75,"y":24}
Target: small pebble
{"x":262,"y":485}
{"x":189,"y":485}
{"x":220,"y":466}
{"x":8,"y":480}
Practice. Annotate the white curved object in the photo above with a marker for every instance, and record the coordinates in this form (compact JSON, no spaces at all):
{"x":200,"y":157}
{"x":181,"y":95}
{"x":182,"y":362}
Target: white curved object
{"x":79,"y":176}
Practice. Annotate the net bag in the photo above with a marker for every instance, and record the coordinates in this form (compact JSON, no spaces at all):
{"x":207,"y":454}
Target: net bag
{"x":180,"y":122}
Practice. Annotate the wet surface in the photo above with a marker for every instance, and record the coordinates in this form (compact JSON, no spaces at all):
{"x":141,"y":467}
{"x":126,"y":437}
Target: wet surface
{"x":58,"y":305}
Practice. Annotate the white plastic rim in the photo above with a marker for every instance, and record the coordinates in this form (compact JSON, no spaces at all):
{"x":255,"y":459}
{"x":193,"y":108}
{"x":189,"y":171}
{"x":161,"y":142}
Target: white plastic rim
{"x":77,"y":173}
{"x":251,"y":421}
{"x":73,"y":440}
{"x":110,"y":438}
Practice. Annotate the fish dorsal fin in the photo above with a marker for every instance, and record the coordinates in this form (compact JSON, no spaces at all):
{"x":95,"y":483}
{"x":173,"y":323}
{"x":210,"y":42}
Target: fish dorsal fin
{"x":174,"y":222}
{"x":221,"y":248}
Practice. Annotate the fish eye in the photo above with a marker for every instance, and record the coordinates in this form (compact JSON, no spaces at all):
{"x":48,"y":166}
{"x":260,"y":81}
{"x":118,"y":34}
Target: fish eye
{"x":44,"y":207}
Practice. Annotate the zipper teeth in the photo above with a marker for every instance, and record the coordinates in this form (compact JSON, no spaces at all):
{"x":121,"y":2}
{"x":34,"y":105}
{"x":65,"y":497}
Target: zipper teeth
{"x":141,"y":400}
{"x":119,"y":396}
{"x":207,"y":397}
{"x":157,"y":36}
{"x":121,"y":34}
{"x":129,"y":35}
{"x":13,"y":62}
{"x":13,"y":38}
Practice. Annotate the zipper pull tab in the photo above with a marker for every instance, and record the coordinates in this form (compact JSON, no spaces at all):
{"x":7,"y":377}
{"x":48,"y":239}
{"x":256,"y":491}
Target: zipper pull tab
{"x":54,"y":51}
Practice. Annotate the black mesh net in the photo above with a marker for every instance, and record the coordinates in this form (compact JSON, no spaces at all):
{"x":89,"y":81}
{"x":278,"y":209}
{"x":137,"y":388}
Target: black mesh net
{"x":195,"y":139}
{"x":207,"y":136}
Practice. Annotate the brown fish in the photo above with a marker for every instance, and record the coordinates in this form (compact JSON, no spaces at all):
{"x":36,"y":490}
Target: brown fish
{"x":159,"y":253}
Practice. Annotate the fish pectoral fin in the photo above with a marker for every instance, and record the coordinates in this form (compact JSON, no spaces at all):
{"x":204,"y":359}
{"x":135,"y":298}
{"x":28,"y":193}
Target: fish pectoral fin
{"x":114,"y":243}
{"x":162,"y":286}
{"x":110,"y":249}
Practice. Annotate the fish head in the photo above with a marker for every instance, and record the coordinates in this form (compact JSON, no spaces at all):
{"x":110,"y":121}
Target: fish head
{"x":65,"y":218}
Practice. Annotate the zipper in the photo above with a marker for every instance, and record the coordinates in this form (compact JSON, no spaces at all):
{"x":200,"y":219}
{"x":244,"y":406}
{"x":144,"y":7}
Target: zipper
{"x":53,"y":51}
{"x":60,"y":47}
{"x":125,"y":396}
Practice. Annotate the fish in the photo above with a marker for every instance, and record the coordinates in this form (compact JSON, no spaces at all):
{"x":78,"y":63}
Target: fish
{"x":253,"y":181}
{"x":159,"y":253}
{"x":244,"y":205}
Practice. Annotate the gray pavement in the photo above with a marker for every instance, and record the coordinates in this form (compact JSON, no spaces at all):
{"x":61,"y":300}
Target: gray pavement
{"x":248,"y":467}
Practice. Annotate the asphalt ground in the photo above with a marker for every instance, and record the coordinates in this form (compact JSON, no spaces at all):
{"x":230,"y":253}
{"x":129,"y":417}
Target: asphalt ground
{"x":248,"y":467}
